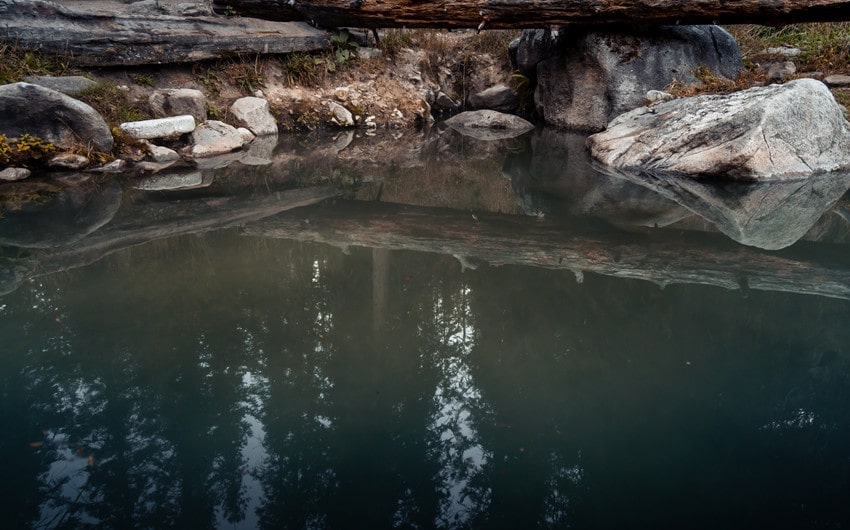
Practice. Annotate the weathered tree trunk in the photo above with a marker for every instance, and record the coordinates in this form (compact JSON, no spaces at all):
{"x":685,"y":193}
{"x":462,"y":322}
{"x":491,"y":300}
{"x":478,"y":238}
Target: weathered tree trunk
{"x":106,"y":40}
{"x":501,"y":14}
{"x":495,"y":239}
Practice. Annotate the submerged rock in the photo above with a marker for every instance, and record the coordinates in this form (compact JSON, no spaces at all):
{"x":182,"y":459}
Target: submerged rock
{"x":51,"y":116}
{"x":587,"y":77}
{"x":489,"y":124}
{"x":767,"y":133}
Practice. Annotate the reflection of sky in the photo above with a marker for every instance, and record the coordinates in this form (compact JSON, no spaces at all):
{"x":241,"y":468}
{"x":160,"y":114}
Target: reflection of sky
{"x":456,"y":447}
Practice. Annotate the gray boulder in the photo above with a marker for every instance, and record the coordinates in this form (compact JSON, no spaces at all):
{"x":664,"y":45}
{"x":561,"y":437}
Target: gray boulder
{"x":592,"y":76}
{"x":71,"y":85}
{"x":169,"y":102}
{"x":51,"y":116}
{"x":532,"y":47}
{"x":501,"y":98}
{"x":837,"y":80}
{"x":214,"y":138}
{"x":778,"y":132}
{"x":254,"y":115}
{"x":340,"y":115}
{"x":489,"y":124}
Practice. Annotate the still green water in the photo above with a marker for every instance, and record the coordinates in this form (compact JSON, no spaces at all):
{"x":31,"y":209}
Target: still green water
{"x":184,"y":350}
{"x":228,"y":381}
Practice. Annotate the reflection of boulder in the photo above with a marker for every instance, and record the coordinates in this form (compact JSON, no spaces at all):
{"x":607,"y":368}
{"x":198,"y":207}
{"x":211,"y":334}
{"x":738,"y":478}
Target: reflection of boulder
{"x":769,"y":215}
{"x":556,"y":177}
{"x":176,"y":179}
{"x":66,"y":217}
{"x":13,"y":272}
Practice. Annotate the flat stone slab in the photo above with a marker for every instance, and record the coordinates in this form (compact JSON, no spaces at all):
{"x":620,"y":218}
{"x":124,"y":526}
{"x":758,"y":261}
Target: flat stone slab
{"x":837,"y":80}
{"x":159,"y":128}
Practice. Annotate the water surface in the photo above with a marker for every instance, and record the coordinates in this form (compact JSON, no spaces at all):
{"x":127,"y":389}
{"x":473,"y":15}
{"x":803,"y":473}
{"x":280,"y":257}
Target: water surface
{"x":249,"y":367}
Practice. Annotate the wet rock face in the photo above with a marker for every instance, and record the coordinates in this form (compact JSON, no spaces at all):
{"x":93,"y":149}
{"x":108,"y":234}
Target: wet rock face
{"x":778,"y":132}
{"x":586,"y":78}
{"x":51,"y":116}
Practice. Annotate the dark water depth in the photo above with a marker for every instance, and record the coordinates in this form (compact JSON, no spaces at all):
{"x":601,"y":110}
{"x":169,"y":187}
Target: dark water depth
{"x":230,"y":381}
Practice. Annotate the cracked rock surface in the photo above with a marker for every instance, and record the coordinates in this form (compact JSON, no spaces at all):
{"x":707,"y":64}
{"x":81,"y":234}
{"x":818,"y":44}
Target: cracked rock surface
{"x":778,"y":132}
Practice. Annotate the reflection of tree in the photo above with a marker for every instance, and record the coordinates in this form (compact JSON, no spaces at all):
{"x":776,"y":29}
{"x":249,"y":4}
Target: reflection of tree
{"x":211,"y":396}
{"x":298,"y":480}
{"x":458,"y":405}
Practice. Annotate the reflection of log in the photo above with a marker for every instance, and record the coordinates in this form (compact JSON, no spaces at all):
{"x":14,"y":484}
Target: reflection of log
{"x":149,"y":221}
{"x":111,"y":39}
{"x":494,"y":14}
{"x":502,"y":240}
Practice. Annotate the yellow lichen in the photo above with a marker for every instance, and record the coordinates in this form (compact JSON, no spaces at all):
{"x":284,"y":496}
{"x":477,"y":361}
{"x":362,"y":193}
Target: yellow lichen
{"x":23,"y":149}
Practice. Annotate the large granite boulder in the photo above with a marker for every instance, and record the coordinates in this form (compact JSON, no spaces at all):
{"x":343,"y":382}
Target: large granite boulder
{"x":778,"y":132}
{"x":51,"y":116}
{"x":587,"y":77}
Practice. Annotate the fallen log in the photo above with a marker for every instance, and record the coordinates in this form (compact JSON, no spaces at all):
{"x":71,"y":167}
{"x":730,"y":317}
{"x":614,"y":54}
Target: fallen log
{"x":508,"y":14}
{"x":496,"y":239}
{"x":90,"y":39}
